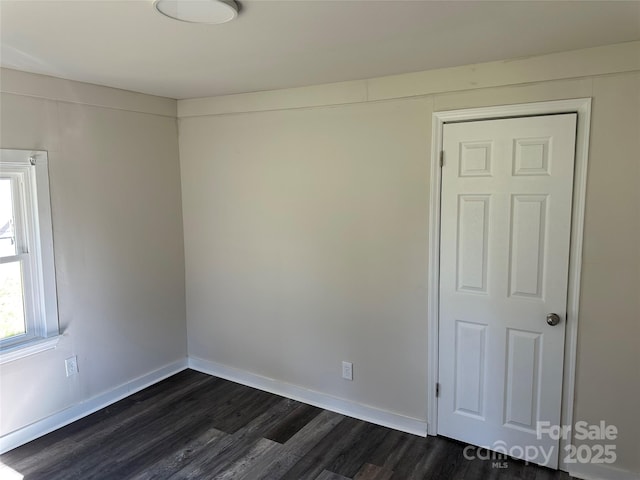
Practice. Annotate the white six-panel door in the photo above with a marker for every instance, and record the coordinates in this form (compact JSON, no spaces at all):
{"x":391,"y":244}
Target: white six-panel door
{"x":505,"y":228}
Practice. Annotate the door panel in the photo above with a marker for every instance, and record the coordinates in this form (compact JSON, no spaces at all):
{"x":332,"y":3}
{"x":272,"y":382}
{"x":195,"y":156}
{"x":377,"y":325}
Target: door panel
{"x":505,"y":227}
{"x":523,"y":379}
{"x":526,"y":250}
{"x":473,"y":228}
{"x":470,"y":376}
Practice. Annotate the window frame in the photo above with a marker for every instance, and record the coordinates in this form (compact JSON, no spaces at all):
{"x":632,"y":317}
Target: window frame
{"x":29,"y":174}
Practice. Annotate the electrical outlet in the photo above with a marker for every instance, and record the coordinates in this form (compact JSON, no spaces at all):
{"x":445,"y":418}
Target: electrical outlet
{"x":71,"y":365}
{"x":347,"y":370}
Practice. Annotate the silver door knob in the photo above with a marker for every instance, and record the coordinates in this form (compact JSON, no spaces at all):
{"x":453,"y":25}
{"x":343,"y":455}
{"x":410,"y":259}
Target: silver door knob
{"x":553,"y":319}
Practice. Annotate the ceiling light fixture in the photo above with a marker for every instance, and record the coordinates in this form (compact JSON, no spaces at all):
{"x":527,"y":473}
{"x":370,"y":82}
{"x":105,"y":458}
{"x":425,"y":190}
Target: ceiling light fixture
{"x":198,"y":11}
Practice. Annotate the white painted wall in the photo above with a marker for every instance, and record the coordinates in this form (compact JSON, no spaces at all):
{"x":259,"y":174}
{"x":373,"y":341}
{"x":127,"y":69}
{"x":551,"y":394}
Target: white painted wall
{"x":117,"y":224}
{"x":306,"y":233}
{"x":305,"y":228}
{"x":306,"y":212}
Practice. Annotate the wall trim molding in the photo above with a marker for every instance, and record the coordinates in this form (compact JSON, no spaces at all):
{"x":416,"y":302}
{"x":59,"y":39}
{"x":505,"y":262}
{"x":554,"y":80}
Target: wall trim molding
{"x":594,"y":471}
{"x":17,"y":82}
{"x":588,"y":62}
{"x":581,"y":106}
{"x":87,"y":407}
{"x":312,"y":397}
{"x":17,"y":352}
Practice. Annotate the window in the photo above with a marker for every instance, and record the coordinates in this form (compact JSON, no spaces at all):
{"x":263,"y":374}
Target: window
{"x":28,"y":304}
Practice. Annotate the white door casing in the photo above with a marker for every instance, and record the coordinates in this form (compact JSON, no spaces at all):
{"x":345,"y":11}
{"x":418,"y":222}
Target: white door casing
{"x":504,"y":246}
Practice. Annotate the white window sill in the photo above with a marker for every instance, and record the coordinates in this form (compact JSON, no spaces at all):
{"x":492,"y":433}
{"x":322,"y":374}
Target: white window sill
{"x":24,"y":350}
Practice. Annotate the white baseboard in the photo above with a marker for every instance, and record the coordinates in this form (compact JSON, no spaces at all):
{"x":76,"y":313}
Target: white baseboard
{"x":312,"y":397}
{"x":591,"y":471}
{"x":75,"y":412}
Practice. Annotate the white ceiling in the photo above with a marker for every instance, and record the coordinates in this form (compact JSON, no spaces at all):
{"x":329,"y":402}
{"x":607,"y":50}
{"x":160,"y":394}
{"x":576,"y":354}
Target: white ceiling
{"x":280,"y":44}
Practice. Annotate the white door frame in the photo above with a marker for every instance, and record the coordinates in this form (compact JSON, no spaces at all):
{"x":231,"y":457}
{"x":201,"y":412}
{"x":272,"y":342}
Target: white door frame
{"x":581,"y":106}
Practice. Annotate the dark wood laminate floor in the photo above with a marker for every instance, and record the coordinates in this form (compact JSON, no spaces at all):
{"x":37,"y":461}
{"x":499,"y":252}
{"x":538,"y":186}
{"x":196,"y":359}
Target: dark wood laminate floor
{"x":194,"y":426}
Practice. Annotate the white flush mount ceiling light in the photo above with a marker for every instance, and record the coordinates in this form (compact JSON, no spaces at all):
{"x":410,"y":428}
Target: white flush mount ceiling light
{"x":198,"y":11}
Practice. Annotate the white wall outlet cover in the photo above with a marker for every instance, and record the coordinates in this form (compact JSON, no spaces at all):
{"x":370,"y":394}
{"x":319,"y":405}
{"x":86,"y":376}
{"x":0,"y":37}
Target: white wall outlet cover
{"x":71,"y":365}
{"x":347,"y":370}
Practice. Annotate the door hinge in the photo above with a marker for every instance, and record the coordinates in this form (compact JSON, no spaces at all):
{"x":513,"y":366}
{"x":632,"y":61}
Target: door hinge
{"x":437,"y":389}
{"x":441,"y":158}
